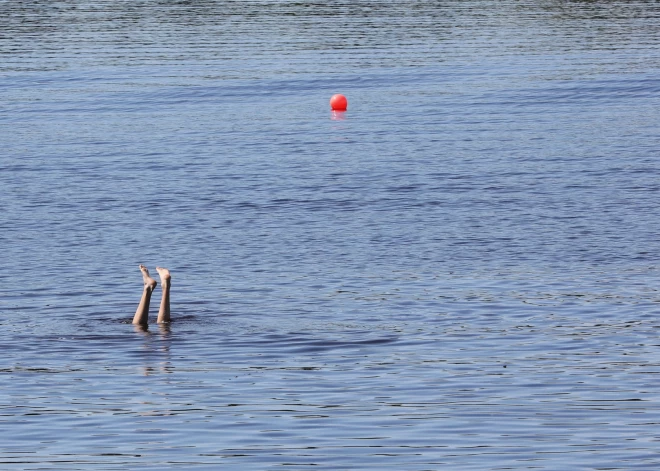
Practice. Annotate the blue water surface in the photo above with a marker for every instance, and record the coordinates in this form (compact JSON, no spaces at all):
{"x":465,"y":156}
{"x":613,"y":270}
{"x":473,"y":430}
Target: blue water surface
{"x":460,"y":272}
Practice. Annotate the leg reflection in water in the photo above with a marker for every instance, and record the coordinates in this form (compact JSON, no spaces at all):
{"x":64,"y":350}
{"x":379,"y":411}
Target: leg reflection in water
{"x":142,"y":313}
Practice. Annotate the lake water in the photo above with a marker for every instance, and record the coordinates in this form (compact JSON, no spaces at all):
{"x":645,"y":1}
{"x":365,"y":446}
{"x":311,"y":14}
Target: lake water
{"x":460,"y":272}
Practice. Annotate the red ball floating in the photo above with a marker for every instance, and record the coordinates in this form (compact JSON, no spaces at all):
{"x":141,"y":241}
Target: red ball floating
{"x":338,"y":102}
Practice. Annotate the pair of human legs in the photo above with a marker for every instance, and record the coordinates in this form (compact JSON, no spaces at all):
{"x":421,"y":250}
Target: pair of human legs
{"x":142,"y":314}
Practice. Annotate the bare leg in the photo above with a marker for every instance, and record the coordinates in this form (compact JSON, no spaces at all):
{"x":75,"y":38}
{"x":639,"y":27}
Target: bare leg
{"x":142,"y":314}
{"x":165,"y":281}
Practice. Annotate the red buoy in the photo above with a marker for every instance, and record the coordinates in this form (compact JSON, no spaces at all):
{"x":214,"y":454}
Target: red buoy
{"x":338,"y":102}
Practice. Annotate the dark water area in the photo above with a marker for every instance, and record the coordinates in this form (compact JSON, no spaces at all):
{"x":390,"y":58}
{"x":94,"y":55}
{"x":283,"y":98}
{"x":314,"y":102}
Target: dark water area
{"x":460,"y":272}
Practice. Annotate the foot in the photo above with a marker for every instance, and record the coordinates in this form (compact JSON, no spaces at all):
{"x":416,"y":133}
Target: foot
{"x":164,"y":275}
{"x":149,"y":282}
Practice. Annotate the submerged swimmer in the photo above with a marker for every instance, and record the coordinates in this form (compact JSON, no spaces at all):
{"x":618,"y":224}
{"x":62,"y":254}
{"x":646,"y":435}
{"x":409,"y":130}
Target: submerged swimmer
{"x":142,"y":314}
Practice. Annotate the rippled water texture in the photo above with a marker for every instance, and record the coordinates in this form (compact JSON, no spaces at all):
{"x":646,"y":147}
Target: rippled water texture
{"x":457,"y":273}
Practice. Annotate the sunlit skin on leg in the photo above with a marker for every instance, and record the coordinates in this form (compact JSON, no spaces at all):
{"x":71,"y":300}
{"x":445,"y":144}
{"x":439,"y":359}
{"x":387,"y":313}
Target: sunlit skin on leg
{"x":165,"y":281}
{"x":142,"y":313}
